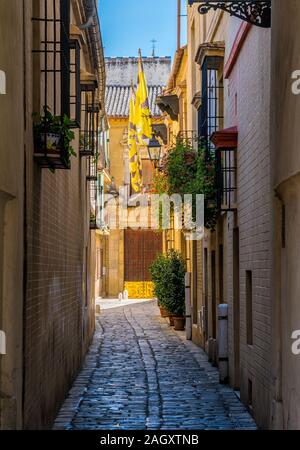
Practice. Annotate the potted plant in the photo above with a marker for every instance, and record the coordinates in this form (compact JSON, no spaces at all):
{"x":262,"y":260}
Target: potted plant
{"x":157,"y":270}
{"x":52,"y":135}
{"x":175,"y":300}
{"x":168,"y":273}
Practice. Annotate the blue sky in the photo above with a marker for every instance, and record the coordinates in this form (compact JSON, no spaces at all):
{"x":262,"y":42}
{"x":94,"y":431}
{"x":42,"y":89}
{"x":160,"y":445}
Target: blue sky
{"x":130,"y":24}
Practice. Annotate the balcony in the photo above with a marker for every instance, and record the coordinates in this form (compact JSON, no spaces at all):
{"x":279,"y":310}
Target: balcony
{"x":189,"y":138}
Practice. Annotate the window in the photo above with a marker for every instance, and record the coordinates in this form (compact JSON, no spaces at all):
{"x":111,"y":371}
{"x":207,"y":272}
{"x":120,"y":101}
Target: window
{"x":89,"y":138}
{"x":75,"y":88}
{"x":211,"y":111}
{"x":100,"y":199}
{"x":249,"y":306}
{"x":94,"y":204}
{"x":225,"y":142}
{"x":51,"y":37}
{"x":52,"y":73}
{"x":210,"y":114}
{"x":226,"y":174}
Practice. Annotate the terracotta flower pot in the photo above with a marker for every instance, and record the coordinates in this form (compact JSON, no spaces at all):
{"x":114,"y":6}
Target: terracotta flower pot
{"x":171,"y":321}
{"x":163,"y":312}
{"x":179,"y":323}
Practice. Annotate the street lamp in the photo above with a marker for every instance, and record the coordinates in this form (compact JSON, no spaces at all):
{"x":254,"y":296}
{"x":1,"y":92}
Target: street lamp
{"x":154,"y":150}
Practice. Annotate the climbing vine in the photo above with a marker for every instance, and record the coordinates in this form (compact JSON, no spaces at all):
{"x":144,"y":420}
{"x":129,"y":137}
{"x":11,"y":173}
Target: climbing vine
{"x":190,"y":171}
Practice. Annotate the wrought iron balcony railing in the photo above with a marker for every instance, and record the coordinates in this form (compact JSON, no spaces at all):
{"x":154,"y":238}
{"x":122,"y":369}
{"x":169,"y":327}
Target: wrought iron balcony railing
{"x":190,"y":138}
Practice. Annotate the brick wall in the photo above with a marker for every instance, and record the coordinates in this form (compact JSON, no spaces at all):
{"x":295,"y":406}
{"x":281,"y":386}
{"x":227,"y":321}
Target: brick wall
{"x":58,"y":310}
{"x":250,"y":80}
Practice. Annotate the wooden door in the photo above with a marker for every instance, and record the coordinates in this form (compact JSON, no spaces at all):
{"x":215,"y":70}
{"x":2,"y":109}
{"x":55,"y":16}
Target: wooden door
{"x":141,"y":248}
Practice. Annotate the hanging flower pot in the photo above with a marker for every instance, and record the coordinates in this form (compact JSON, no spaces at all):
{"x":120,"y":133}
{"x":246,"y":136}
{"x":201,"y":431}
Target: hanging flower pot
{"x":51,"y":140}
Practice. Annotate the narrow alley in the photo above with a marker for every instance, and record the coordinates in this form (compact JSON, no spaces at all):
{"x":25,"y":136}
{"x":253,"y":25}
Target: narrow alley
{"x":149,"y":214}
{"x":141,"y":374}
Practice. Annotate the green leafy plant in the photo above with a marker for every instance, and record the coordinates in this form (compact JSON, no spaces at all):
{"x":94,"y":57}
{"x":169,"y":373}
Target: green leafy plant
{"x":47,"y":123}
{"x":84,"y":141}
{"x":92,"y":217}
{"x":167,"y":272}
{"x":190,"y":171}
{"x":157,"y":270}
{"x":159,"y":183}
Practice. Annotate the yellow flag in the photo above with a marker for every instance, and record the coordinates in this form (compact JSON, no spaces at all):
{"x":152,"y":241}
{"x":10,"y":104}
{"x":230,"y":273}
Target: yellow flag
{"x":142,"y":112}
{"x":135,"y":166}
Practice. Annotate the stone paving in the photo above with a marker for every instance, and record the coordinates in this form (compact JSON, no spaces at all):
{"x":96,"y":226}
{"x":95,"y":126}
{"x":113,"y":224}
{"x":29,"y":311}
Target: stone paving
{"x":141,"y":374}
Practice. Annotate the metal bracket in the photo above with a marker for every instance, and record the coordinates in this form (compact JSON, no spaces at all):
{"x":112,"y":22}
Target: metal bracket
{"x":256,"y":12}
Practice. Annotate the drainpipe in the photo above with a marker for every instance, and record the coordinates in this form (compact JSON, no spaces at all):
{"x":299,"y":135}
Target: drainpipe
{"x":90,"y":12}
{"x":178,"y":24}
{"x":188,"y":308}
{"x":223,"y":342}
{"x":92,"y":27}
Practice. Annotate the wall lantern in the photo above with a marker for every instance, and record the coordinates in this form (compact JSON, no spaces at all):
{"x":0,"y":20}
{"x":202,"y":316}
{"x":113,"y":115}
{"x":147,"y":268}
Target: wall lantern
{"x":154,"y":150}
{"x":256,"y":12}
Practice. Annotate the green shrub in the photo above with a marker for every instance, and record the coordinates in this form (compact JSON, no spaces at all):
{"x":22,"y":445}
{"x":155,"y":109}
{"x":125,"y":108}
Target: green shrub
{"x":190,"y":171}
{"x":168,"y":273}
{"x":158,"y":270}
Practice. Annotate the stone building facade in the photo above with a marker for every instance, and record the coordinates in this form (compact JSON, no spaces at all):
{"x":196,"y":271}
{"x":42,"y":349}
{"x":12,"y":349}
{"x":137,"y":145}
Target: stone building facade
{"x":121,"y":72}
{"x":249,"y":260}
{"x":232,"y":264}
{"x":285,"y":314}
{"x":47,"y":261}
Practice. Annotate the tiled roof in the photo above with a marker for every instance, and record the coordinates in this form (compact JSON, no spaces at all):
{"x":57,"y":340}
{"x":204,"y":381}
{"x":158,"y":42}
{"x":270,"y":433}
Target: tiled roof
{"x":121,"y":72}
{"x":118,"y":97}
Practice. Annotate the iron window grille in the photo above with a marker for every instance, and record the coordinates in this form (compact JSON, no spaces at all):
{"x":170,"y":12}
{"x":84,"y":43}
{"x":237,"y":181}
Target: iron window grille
{"x":210,"y":120}
{"x":52,"y":72}
{"x":210,"y":114}
{"x":90,"y":111}
{"x":102,"y":148}
{"x":93,"y":168}
{"x":75,"y":87}
{"x":94,"y":209}
{"x":97,"y":219}
{"x":226,"y":179}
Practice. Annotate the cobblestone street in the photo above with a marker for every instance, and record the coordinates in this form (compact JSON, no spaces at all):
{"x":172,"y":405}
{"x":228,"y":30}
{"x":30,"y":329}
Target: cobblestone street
{"x":141,"y":374}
